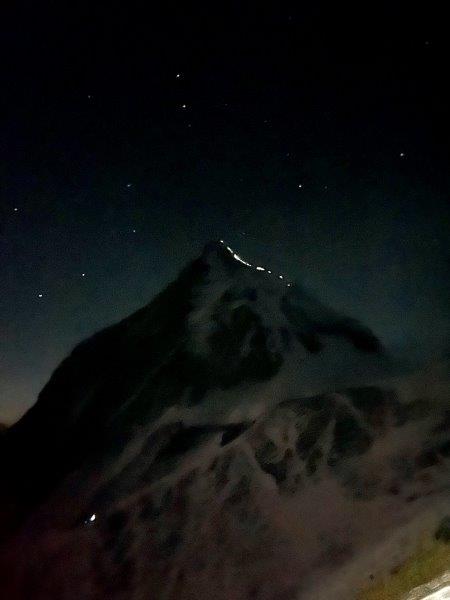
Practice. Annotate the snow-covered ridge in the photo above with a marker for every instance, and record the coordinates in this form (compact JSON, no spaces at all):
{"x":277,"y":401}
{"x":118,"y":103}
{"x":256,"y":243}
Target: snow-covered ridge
{"x":235,"y":438}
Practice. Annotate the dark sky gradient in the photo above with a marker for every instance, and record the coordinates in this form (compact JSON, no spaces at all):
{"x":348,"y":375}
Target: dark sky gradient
{"x":351,"y":106}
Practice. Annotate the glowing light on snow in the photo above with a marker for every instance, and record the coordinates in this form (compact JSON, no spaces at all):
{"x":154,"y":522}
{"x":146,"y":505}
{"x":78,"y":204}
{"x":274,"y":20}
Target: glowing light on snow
{"x":247,"y":264}
{"x":237,"y":257}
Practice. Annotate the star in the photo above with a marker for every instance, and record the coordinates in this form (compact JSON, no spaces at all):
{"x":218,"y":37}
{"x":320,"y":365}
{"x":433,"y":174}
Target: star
{"x":129,"y":185}
{"x":178,"y":75}
{"x":15,"y":209}
{"x":39,"y":295}
{"x":184,"y":106}
{"x":134,"y":230}
{"x":89,"y":97}
{"x":300,"y":185}
{"x":402,"y":154}
{"x":83,"y":274}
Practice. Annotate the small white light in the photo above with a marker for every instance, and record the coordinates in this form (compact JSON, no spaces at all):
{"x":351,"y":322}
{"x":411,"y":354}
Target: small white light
{"x":269,"y":272}
{"x":183,"y":106}
{"x":39,"y":295}
{"x":15,"y":209}
{"x":300,"y":185}
{"x":92,"y":518}
{"x":178,"y":75}
{"x":83,"y":274}
{"x":280,"y":276}
{"x":260,"y":268}
{"x":402,"y":154}
{"x":129,"y":185}
{"x":89,"y":96}
{"x":221,"y":241}
{"x":289,"y":284}
{"x":134,"y":230}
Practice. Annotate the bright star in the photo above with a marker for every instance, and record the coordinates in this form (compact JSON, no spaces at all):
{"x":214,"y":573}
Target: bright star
{"x":39,"y":295}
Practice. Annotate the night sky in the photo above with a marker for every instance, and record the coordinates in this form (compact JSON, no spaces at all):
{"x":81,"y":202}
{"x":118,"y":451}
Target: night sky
{"x":311,"y":140}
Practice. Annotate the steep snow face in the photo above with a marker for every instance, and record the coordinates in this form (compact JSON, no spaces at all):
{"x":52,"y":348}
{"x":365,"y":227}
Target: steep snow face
{"x":231,"y":439}
{"x":223,"y":337}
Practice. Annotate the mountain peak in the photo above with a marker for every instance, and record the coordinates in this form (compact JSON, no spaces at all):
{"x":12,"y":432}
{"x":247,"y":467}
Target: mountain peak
{"x":219,"y":250}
